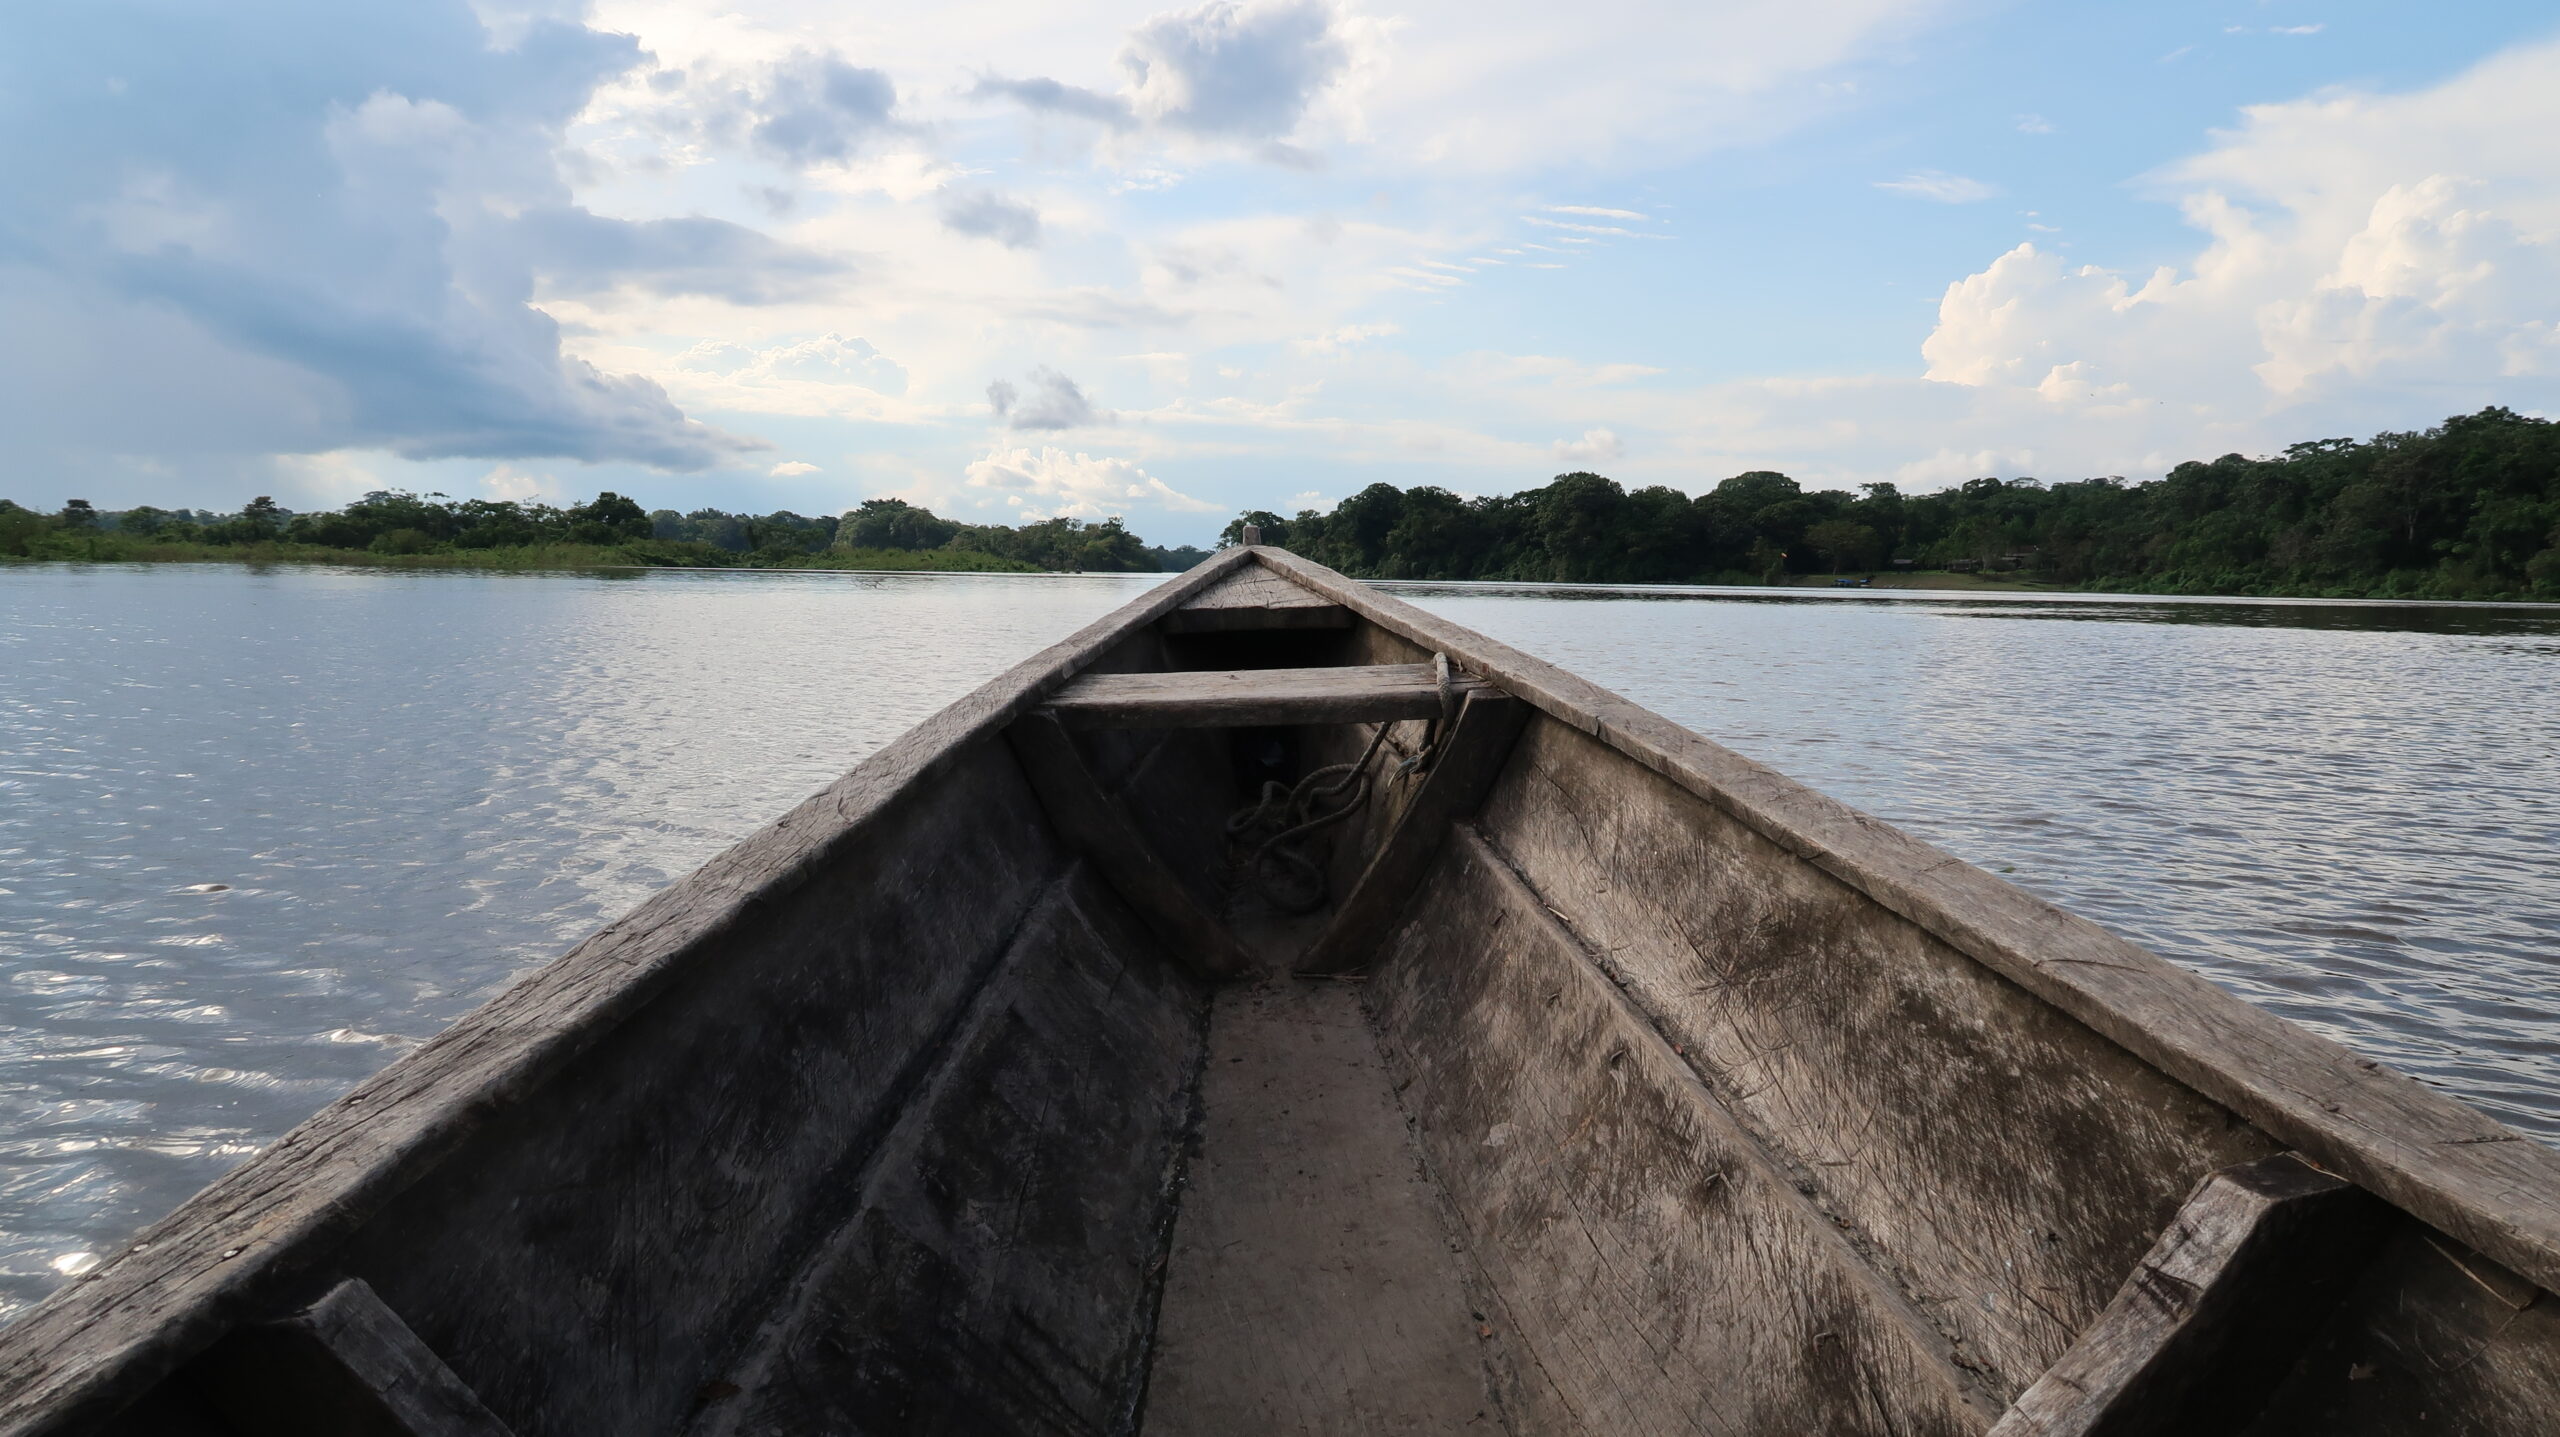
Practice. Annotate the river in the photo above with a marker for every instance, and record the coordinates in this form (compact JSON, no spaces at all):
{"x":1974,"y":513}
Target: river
{"x":263,"y":830}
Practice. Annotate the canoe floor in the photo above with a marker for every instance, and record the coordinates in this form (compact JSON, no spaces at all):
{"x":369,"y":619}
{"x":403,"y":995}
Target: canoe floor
{"x":1315,"y":1285}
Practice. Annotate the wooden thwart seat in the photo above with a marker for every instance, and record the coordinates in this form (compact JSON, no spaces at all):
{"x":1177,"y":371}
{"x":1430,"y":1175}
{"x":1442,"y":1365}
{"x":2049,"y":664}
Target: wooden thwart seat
{"x":1247,"y":698}
{"x":2216,"y":1314}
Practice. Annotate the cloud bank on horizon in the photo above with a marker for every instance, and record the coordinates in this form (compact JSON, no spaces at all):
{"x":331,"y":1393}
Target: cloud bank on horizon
{"x":1013,"y":260}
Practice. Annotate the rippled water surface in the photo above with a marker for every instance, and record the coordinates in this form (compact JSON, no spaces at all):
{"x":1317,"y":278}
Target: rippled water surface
{"x":262,"y":831}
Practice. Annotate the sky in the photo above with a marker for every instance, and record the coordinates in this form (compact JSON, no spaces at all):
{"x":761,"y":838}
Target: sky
{"x":1011,"y":260}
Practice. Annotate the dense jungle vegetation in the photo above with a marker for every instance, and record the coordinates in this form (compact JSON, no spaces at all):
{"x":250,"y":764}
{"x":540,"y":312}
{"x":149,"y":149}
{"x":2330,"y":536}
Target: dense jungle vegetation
{"x":432,"y":531}
{"x":2467,"y":510}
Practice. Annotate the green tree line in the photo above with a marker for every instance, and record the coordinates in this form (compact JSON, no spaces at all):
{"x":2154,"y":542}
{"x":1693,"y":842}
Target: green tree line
{"x":395,"y":526}
{"x":2469,"y":509}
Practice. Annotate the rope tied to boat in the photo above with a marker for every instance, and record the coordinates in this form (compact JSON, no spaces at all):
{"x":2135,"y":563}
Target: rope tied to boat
{"x":1287,"y":815}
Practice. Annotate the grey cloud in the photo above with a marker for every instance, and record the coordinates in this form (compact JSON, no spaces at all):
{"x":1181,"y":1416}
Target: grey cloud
{"x":1239,"y":71}
{"x":1223,"y":70}
{"x":1055,"y":402}
{"x":817,"y":108}
{"x":581,"y":253}
{"x":348,"y":261}
{"x":987,"y":215}
{"x":1050,"y":97}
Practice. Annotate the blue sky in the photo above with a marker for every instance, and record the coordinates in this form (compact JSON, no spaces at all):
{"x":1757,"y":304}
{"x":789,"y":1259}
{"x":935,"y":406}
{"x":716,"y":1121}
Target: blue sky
{"x":1168,"y":262}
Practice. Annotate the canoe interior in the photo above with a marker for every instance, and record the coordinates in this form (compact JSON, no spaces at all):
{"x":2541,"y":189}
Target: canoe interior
{"x":1623,"y":1117}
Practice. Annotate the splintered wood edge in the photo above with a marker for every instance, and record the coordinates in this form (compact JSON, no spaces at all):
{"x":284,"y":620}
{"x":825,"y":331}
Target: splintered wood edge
{"x":112,"y":1333}
{"x":2442,"y":1161}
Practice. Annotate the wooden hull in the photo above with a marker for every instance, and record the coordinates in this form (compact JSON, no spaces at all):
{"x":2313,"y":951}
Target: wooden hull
{"x":1646,"y":1091}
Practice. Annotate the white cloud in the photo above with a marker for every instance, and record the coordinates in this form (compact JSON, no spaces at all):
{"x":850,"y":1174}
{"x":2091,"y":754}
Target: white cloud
{"x":792,"y":469}
{"x":2034,"y":125}
{"x":1593,"y":447}
{"x":506,"y":481}
{"x":1593,"y":210}
{"x":1079,"y":485}
{"x":2358,"y":246}
{"x":1938,"y":185}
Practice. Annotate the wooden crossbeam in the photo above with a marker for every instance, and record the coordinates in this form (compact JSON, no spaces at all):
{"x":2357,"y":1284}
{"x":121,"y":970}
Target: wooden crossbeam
{"x":1098,"y":827}
{"x":345,"y":1364}
{"x":1471,"y":756}
{"x":2216,"y":1314}
{"x":1248,"y":698}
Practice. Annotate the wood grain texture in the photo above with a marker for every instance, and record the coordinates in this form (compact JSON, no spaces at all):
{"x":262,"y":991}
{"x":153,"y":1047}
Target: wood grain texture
{"x":1252,"y":698}
{"x":999,"y":1275}
{"x":1099,"y":828}
{"x":2007,"y":1163}
{"x":1312,"y":1288}
{"x":347,"y":1366}
{"x":1659,"y":1272}
{"x":1252,"y":598}
{"x":228,"y":1253}
{"x":2448,"y":1164}
{"x":595,"y":1257}
{"x":2216,"y":1314}
{"x":1462,"y":773}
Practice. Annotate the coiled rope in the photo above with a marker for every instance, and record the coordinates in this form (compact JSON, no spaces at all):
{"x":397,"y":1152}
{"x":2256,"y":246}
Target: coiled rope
{"x":1288,"y":814}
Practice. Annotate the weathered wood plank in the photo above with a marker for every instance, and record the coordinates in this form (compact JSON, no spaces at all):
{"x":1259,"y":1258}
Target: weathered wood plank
{"x":2215,"y":1316}
{"x":588,"y":1261}
{"x":1252,"y":598}
{"x":346,"y":1365}
{"x":1470,"y":758}
{"x":1660,"y":1271}
{"x":2444,"y":1162}
{"x":1312,"y":1288}
{"x":1100,"y":829}
{"x":998,"y":1276}
{"x":1250,"y":698}
{"x":102,"y":1341}
{"x":2009,"y":1164}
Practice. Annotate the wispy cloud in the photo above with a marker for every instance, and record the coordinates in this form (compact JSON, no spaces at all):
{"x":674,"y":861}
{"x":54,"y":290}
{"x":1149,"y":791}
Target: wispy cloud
{"x":1940,"y":186}
{"x":2034,"y":125}
{"x":1595,"y":210}
{"x":1583,"y":228}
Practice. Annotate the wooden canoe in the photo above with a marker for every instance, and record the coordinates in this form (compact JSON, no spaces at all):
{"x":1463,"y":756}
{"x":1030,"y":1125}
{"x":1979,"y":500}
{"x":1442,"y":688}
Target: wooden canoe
{"x":1583,"y":1077}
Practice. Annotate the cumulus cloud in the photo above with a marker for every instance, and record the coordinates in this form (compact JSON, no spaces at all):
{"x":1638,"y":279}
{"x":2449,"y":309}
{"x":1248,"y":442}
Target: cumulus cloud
{"x":792,"y":469}
{"x":1055,"y":402}
{"x":1081,"y":485}
{"x":2358,"y":247}
{"x":1239,"y":70}
{"x":988,"y":215}
{"x":1938,"y":185}
{"x":344,"y":264}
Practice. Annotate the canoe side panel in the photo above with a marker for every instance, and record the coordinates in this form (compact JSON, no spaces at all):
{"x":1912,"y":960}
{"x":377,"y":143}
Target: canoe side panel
{"x":2434,"y":1339}
{"x":1001,"y":1273}
{"x":1653,"y":1269}
{"x":2010,"y":1164}
{"x":590,"y":1259}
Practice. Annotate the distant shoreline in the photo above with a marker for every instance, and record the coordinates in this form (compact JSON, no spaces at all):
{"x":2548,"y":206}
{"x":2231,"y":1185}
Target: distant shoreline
{"x":924,"y":562}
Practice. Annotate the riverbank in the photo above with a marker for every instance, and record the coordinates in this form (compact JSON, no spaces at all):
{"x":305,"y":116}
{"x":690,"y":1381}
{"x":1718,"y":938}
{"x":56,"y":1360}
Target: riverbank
{"x":652,"y":554}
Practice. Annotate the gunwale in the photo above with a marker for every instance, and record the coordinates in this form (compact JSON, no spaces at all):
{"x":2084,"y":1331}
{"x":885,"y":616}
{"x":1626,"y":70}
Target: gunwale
{"x":229,"y":1250}
{"x":133,"y":1320}
{"x":2440,"y":1160}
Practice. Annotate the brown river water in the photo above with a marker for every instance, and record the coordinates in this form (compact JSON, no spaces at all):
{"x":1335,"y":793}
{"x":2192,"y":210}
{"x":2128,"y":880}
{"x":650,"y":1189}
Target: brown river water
{"x":262,"y":831}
